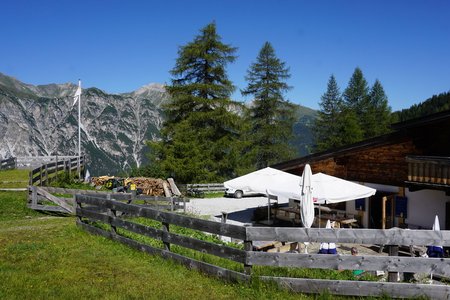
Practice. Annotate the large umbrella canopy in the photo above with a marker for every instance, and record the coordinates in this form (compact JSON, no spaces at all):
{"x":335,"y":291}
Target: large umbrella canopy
{"x":306,"y":200}
{"x":261,"y":180}
{"x":329,"y":189}
{"x":435,"y":251}
{"x":326,"y":189}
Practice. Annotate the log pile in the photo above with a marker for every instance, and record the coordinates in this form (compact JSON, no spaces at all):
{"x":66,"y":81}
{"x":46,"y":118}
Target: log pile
{"x":100,"y":181}
{"x":148,"y":186}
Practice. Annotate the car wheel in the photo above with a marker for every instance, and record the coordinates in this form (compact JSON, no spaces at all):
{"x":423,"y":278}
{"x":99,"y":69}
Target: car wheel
{"x":238,"y":194}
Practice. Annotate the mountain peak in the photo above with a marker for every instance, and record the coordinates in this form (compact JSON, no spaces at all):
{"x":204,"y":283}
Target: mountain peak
{"x":158,"y":87}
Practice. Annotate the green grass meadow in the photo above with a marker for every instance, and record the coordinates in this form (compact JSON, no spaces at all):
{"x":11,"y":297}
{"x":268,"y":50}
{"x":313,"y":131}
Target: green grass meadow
{"x":14,"y":178}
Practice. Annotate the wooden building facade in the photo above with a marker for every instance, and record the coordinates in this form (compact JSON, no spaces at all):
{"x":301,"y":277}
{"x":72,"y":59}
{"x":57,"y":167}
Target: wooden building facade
{"x":409,"y":167}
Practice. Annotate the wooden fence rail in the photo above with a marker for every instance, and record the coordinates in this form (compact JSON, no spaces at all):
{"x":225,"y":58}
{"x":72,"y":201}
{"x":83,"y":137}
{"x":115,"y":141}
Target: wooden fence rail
{"x":8,"y":164}
{"x":107,"y":212}
{"x":42,"y":175}
{"x":32,"y":162}
{"x":66,"y":205}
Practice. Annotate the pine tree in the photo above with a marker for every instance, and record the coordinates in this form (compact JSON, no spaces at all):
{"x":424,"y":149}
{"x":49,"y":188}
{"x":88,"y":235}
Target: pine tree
{"x":326,"y":127}
{"x":356,"y":94}
{"x":378,"y":116}
{"x":356,"y":99}
{"x":200,"y":136}
{"x":271,"y":117}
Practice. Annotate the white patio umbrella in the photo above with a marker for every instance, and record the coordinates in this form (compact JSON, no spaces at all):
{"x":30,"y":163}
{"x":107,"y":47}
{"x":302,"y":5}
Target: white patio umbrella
{"x":306,"y":200}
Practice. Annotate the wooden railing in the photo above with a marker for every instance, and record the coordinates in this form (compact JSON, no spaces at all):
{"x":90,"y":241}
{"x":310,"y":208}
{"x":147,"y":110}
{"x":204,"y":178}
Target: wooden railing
{"x":429,"y":169}
{"x":8,"y":164}
{"x":40,"y":195}
{"x":89,"y":209}
{"x":44,"y":174}
{"x":32,"y":162}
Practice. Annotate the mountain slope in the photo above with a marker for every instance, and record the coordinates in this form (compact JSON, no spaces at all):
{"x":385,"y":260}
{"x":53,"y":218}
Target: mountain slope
{"x":40,"y":120}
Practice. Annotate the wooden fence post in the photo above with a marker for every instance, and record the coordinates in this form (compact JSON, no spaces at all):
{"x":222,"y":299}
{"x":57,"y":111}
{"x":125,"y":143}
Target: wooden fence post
{"x":69,"y":166}
{"x":40,"y":176}
{"x":56,"y":166}
{"x":46,"y":174}
{"x":33,"y":196}
{"x":393,"y":251}
{"x":77,"y":205}
{"x":112,"y":213}
{"x":248,"y":246}
{"x":165,"y":228}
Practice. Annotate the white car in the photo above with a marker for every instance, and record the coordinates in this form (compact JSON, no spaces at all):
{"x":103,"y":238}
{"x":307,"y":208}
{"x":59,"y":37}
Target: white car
{"x":231,"y":192}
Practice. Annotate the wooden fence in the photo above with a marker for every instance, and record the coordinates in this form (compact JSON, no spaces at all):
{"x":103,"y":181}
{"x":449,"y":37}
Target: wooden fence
{"x":32,"y":162}
{"x":44,"y":174}
{"x":41,"y":198}
{"x":88,"y":208}
{"x":8,"y":164}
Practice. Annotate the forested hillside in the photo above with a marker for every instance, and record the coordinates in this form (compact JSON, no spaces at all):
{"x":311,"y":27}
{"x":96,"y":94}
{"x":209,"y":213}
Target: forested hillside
{"x":432,"y":105}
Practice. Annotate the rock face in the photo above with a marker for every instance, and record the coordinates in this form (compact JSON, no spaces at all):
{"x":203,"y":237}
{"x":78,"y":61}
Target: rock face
{"x":40,"y":120}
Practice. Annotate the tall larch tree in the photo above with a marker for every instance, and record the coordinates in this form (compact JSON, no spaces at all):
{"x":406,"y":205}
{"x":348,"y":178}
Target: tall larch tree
{"x":356,"y":97}
{"x":201,"y":133}
{"x":271,"y":117}
{"x":326,"y":127}
{"x":378,"y":117}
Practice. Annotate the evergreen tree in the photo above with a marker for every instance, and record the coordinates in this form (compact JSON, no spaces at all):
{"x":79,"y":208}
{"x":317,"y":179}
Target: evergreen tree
{"x":200,"y":136}
{"x":326,"y":127}
{"x":356,"y":99}
{"x":349,"y":129}
{"x":378,"y":117}
{"x":356,"y":94}
{"x":271,"y":117}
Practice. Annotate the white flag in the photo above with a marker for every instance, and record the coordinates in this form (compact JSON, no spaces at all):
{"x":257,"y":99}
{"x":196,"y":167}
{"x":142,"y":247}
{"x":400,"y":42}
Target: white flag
{"x":77,"y":95}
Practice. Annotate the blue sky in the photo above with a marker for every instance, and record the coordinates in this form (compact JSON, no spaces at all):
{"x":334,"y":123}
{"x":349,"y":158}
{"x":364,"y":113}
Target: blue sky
{"x":119,"y":46}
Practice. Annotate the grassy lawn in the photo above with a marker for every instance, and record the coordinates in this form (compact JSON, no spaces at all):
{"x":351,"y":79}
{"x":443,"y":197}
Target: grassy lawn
{"x":48,"y":257}
{"x":14,"y":178}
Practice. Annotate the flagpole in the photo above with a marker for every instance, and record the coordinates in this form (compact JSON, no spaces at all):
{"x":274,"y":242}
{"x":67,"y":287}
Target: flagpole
{"x":79,"y":129}
{"x":79,"y":121}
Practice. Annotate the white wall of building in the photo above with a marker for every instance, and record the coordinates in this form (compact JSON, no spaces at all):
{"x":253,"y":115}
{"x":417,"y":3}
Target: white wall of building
{"x":424,"y":205}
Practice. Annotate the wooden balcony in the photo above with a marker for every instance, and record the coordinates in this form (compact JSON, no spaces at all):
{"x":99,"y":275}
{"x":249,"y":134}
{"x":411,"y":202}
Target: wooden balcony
{"x":429,"y":171}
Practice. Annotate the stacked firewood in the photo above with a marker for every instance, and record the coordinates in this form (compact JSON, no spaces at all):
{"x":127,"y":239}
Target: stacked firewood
{"x":149,"y":186}
{"x":146,"y":185}
{"x":101,"y":180}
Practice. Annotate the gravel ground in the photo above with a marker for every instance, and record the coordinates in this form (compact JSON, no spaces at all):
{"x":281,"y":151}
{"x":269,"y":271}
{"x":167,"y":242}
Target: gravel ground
{"x":240,"y":211}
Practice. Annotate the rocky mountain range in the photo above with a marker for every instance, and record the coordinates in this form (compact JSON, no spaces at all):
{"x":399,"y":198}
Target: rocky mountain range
{"x":41,"y":120}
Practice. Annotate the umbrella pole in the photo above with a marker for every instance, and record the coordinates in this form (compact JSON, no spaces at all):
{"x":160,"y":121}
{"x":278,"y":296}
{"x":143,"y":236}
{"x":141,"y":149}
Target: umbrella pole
{"x":319,"y":214}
